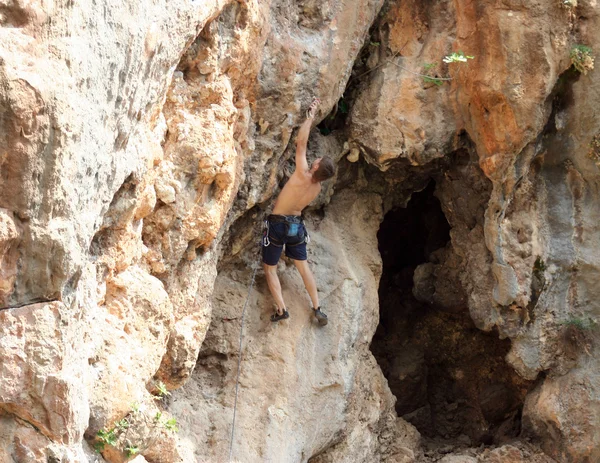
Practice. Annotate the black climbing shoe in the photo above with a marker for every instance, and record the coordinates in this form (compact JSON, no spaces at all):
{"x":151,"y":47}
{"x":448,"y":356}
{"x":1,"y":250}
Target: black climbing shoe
{"x":276,"y":316}
{"x":320,"y":316}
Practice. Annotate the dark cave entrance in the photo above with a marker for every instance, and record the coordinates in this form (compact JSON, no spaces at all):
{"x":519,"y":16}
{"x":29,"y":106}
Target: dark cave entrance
{"x":449,"y":378}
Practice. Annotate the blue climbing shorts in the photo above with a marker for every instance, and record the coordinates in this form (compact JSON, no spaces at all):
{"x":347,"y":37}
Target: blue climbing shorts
{"x":284,"y":231}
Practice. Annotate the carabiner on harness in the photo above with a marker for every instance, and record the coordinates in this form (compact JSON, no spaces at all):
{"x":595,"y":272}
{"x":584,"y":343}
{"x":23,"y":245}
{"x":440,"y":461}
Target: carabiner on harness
{"x":265,"y":240}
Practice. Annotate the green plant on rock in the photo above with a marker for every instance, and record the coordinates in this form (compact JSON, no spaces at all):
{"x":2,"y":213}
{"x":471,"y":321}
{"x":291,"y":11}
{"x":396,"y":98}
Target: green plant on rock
{"x":582,"y":58}
{"x":132,"y":450}
{"x":585,"y":324}
{"x":162,"y":390}
{"x":121,"y":425}
{"x":105,"y":437}
{"x":594,"y":151}
{"x":428,"y":74}
{"x":457,"y":57}
{"x":110,"y":436}
{"x":539,"y":266}
{"x":171,"y":425}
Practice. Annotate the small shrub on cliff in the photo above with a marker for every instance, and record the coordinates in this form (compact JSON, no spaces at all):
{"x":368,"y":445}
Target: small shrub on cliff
{"x":582,"y":58}
{"x":457,"y":57}
{"x":105,"y":437}
{"x":539,"y":266}
{"x":581,"y":323}
{"x":171,"y":425}
{"x":161,"y":391}
{"x":132,"y":450}
{"x":121,"y":425}
{"x":429,"y":76}
{"x":111,"y":436}
{"x":594,"y":152}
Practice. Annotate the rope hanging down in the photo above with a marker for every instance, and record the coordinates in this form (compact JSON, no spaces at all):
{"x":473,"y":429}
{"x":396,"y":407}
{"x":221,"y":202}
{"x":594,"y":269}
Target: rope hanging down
{"x":237,"y":379}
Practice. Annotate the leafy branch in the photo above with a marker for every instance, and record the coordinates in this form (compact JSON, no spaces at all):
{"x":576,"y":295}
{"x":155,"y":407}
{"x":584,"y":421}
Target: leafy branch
{"x":457,"y":57}
{"x":162,"y":391}
{"x":427,"y":73}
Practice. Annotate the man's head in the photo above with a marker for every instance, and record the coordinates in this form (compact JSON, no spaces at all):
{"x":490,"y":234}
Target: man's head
{"x":322,"y":169}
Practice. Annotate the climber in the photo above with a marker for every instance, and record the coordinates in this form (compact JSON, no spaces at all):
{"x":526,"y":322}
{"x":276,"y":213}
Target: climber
{"x":285,"y":226}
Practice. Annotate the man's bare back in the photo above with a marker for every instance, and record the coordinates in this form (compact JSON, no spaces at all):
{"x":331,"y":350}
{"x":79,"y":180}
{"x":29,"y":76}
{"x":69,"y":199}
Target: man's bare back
{"x":298,"y":192}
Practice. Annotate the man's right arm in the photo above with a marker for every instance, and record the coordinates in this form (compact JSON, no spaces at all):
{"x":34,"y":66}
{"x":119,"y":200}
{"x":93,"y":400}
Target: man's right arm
{"x":301,"y":142}
{"x":302,"y":138}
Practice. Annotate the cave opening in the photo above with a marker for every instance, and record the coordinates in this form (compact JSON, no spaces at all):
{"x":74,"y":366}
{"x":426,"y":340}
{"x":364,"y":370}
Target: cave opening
{"x":450,"y":379}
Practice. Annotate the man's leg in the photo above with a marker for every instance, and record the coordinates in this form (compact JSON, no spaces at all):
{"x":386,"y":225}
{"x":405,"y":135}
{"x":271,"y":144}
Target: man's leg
{"x":309,"y":281}
{"x":274,"y":286}
{"x":311,"y":287}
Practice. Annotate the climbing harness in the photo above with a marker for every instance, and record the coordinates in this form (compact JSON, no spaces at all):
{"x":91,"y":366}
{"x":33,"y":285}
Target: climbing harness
{"x":292,"y":230}
{"x":237,"y":378}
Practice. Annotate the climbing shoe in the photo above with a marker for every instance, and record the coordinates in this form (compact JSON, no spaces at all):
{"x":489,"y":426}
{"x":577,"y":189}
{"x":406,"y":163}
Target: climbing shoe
{"x":320,"y":316}
{"x":280,"y":316}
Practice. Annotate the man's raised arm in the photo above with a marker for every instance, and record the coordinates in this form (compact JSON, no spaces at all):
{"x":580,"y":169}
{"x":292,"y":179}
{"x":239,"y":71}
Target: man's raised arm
{"x":302,"y":138}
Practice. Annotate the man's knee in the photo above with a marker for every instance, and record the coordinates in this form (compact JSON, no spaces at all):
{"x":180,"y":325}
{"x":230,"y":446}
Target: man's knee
{"x":270,"y":269}
{"x":302,"y":266}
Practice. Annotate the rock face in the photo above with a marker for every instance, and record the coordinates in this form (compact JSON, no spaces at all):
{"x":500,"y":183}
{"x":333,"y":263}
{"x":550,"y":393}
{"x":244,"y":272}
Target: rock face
{"x":42,"y":379}
{"x":140,"y":143}
{"x":300,"y":383}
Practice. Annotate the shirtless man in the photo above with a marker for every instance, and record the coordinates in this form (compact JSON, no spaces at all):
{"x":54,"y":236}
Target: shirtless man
{"x":285,"y":224}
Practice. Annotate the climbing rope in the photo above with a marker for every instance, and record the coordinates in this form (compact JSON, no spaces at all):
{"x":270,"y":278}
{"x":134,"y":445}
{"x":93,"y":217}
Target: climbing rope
{"x":237,"y":379}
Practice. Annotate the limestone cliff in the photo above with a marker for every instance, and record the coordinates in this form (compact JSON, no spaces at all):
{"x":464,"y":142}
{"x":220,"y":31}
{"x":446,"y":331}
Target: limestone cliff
{"x":456,"y":250}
